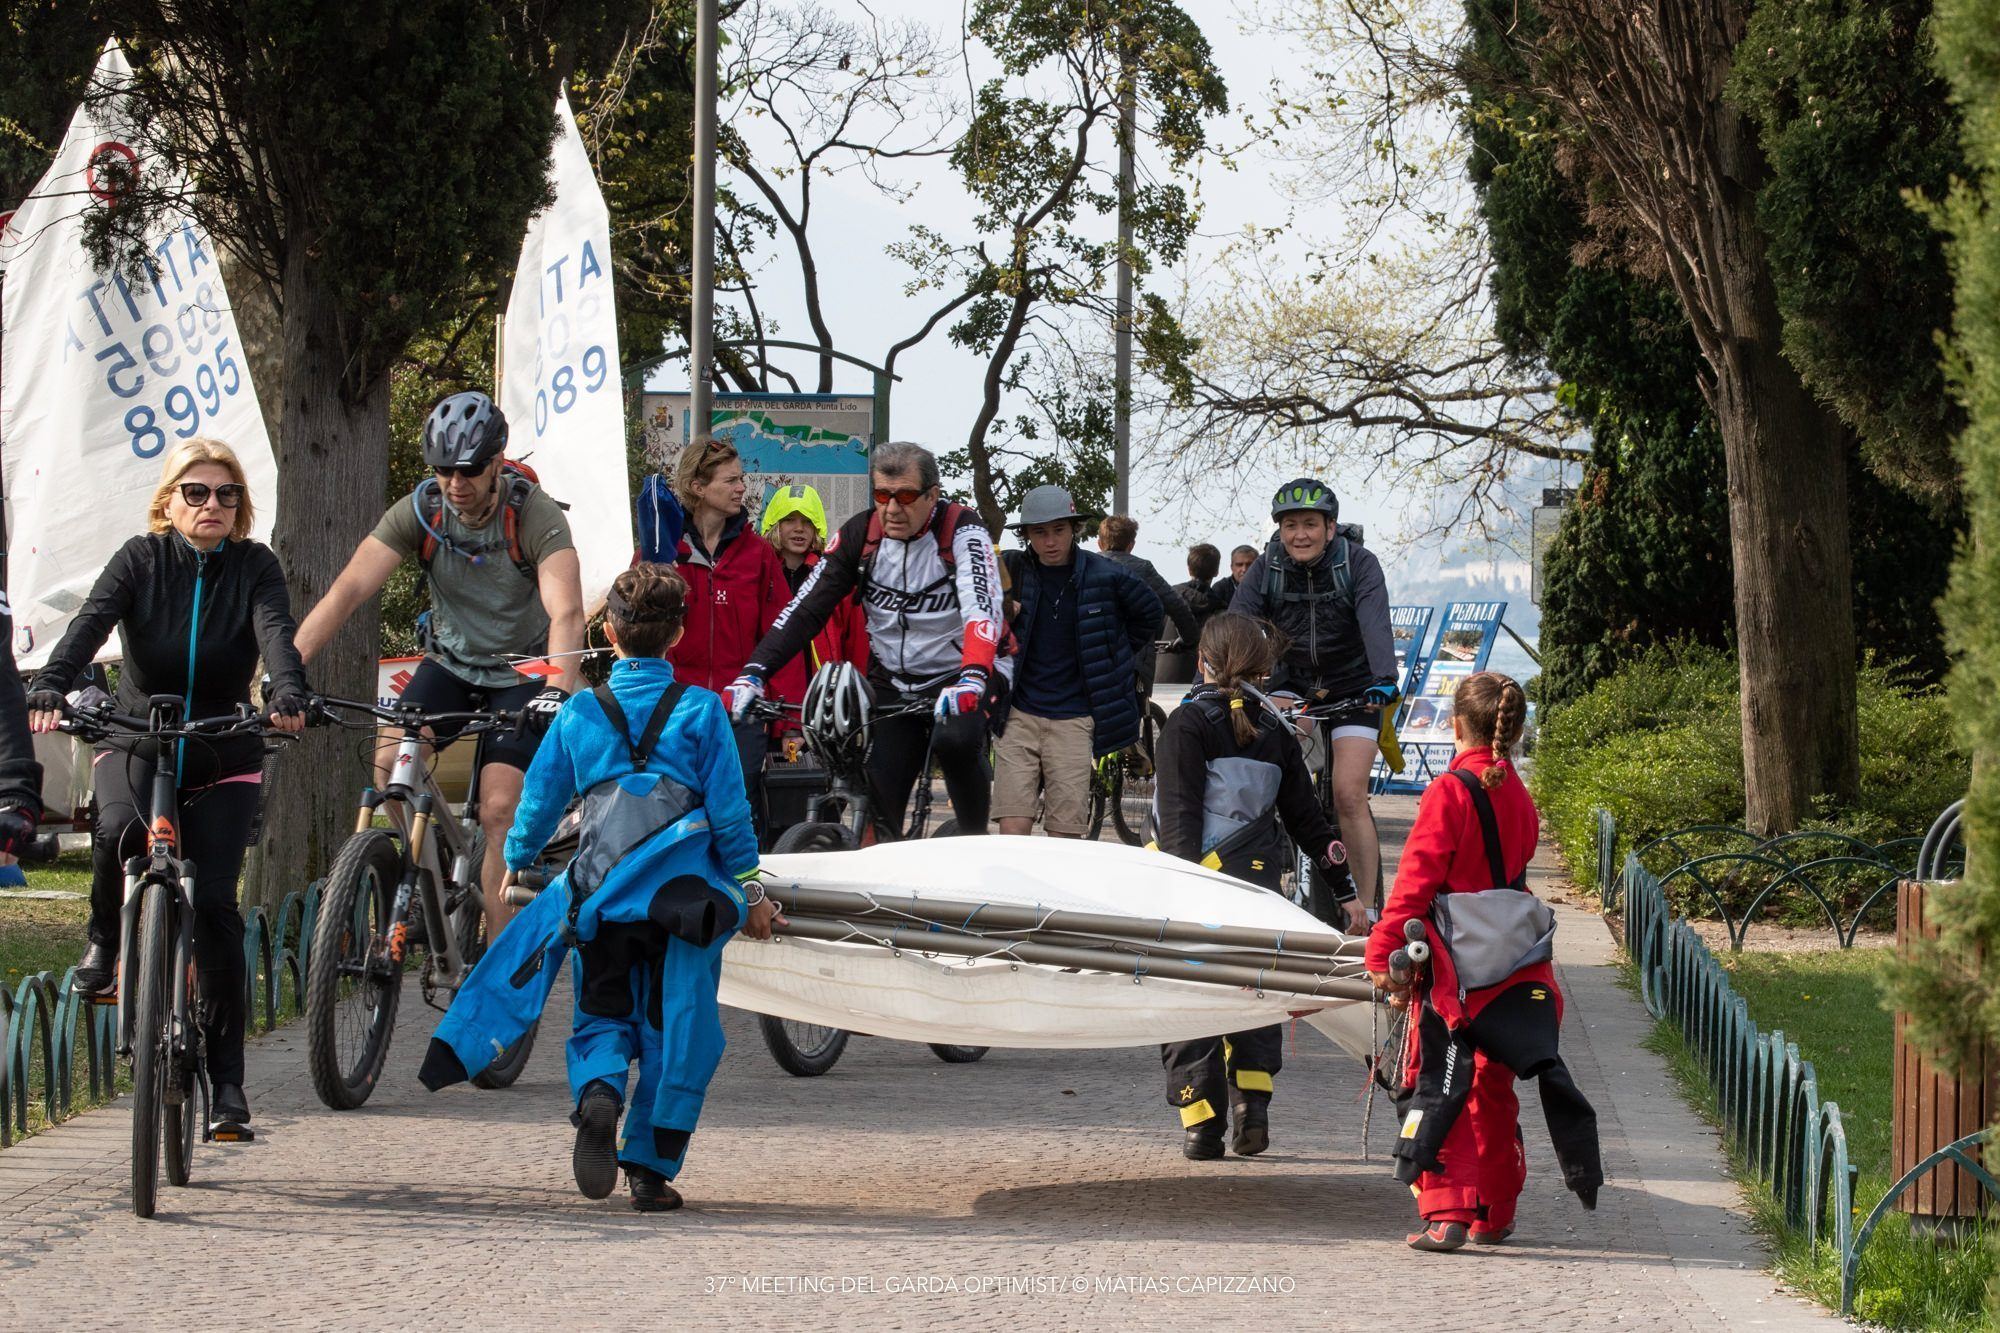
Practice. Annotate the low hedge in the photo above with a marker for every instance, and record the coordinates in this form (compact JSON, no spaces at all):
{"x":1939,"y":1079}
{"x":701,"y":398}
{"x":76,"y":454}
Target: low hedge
{"x":1660,"y":745}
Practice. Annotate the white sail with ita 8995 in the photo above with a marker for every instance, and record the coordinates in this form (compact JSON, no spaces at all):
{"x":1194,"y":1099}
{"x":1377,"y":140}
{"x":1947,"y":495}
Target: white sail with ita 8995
{"x":1041,"y":942}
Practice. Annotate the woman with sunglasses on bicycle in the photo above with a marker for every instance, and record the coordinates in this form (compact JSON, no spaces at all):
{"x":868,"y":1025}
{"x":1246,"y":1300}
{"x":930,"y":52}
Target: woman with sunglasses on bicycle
{"x":196,"y":604}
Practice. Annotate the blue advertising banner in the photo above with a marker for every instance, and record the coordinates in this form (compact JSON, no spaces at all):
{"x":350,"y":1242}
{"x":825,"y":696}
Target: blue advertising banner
{"x":1464,"y":643}
{"x":1409,"y":625}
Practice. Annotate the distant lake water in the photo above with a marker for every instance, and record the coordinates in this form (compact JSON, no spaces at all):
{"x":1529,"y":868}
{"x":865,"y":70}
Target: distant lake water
{"x":1508,"y":657}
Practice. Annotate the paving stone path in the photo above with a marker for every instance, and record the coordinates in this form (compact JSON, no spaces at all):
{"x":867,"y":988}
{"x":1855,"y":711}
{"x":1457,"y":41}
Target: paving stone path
{"x":1035,"y":1188}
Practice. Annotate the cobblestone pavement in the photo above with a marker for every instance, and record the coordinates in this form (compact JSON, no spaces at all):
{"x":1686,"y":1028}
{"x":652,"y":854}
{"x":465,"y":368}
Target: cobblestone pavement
{"x":1039,"y":1187}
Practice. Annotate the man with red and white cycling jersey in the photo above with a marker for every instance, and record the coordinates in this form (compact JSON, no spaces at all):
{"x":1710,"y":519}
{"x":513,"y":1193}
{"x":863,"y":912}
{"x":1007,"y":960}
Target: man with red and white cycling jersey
{"x":924,"y":571}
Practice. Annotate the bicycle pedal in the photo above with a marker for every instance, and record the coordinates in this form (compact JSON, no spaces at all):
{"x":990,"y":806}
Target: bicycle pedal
{"x":229,"y":1132}
{"x":99,"y":996}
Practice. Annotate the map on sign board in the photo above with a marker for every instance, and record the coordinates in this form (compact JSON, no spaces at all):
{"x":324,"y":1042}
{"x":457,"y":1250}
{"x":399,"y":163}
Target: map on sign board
{"x":815,"y":439}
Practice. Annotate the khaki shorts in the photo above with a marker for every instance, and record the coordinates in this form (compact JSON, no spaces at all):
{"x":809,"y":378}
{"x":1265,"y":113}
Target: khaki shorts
{"x":1048,"y":758}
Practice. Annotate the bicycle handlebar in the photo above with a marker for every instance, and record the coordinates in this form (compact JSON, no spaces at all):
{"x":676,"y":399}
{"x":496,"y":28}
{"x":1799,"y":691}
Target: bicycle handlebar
{"x":101,"y":723}
{"x":411,"y":718}
{"x":1321,"y":711}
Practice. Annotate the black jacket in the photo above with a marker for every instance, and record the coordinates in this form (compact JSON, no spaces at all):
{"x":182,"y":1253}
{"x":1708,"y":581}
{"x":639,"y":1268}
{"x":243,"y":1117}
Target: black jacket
{"x":149,"y":592}
{"x":1186,"y":629}
{"x":1204,"y":601}
{"x":20,"y":775}
{"x":1335,"y":622}
{"x":1210,"y":788}
{"x":1115,"y":617}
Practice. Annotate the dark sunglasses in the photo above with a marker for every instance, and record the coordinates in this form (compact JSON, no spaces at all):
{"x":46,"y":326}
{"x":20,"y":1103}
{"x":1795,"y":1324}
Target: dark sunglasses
{"x":903,"y":497}
{"x":469,"y":473}
{"x":229,"y":495}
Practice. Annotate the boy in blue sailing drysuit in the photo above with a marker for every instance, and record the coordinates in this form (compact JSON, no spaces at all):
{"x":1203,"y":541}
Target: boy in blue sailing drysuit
{"x":664,"y":875}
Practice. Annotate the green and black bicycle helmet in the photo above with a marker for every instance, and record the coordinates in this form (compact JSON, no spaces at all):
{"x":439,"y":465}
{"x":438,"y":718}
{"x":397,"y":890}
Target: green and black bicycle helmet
{"x":1305,"y":494}
{"x":465,"y":430}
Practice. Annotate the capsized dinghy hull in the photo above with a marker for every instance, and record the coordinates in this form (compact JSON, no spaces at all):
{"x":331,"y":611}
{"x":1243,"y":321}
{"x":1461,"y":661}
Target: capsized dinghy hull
{"x":911,"y":995}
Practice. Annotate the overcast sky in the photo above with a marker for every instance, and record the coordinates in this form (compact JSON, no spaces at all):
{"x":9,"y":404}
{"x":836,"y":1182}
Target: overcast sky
{"x":940,"y":389}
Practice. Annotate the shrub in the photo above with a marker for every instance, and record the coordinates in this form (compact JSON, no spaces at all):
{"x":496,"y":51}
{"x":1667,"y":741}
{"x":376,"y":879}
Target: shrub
{"x":1660,"y":745}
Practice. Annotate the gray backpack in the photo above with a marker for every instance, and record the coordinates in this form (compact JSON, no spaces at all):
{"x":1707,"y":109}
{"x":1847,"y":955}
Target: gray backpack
{"x":1495,"y":933}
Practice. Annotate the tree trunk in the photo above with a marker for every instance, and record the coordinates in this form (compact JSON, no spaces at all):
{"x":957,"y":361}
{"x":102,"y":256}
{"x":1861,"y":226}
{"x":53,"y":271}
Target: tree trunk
{"x":1787,"y":460}
{"x":334,"y":458}
{"x":260,"y":327}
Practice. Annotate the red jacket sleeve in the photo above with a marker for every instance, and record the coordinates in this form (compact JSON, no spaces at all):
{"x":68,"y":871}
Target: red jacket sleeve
{"x":1423,"y":868}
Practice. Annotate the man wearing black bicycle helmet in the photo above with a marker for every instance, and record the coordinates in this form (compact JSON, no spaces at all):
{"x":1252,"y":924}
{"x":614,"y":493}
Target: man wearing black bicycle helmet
{"x":504,"y":586}
{"x":1324,"y":593}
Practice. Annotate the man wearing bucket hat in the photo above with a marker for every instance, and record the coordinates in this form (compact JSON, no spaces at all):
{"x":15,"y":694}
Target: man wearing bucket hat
{"x":1082,"y":624}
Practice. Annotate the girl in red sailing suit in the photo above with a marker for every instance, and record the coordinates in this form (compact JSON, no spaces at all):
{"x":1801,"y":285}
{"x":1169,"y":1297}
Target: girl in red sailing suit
{"x":1460,"y":1144}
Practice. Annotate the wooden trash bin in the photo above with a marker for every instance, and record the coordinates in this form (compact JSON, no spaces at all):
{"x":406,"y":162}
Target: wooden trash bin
{"x":1934,"y":1107}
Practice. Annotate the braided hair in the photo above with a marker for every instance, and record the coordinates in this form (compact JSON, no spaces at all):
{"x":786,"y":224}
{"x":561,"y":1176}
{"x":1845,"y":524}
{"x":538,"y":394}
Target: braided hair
{"x":1235,"y":651}
{"x":1495,"y":708}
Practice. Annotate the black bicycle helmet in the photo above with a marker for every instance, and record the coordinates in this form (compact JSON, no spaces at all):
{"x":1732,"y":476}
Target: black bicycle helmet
{"x":1305,"y":494}
{"x":465,"y":430}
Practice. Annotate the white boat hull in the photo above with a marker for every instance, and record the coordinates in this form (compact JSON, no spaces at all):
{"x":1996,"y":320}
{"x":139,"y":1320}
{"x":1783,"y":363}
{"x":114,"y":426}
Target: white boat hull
{"x":912,"y":996}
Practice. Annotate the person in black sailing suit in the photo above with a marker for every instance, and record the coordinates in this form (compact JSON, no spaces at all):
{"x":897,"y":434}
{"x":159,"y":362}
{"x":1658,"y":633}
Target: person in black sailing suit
{"x":1230,"y":774}
{"x":196,"y":604}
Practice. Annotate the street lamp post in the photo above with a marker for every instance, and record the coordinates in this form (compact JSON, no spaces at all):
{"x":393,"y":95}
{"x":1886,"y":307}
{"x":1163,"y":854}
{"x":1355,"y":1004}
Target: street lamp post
{"x":701,"y":309}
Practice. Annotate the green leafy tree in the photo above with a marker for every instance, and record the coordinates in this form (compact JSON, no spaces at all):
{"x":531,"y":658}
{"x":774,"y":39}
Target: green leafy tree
{"x":1854,"y":120}
{"x":47,"y":49}
{"x":1643,"y":556}
{"x":370,"y":163}
{"x":1037,"y":159}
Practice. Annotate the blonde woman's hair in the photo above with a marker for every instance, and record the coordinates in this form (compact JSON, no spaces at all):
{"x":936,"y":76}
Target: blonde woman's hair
{"x":699,"y":463}
{"x":192,"y":454}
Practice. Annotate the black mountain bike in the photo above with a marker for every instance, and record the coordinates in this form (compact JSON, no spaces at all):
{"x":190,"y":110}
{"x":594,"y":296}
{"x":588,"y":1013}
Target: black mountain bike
{"x":416,"y":882}
{"x":838,"y":820}
{"x":159,"y":1021}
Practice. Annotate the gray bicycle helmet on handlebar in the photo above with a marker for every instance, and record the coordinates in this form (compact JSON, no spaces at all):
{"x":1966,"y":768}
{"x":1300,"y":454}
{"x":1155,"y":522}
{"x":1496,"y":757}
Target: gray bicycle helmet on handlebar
{"x":835,"y":715}
{"x":465,"y":430}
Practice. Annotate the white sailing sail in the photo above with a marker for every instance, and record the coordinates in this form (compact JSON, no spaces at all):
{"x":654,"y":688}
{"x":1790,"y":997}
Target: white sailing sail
{"x":103,"y":372}
{"x":559,"y":380}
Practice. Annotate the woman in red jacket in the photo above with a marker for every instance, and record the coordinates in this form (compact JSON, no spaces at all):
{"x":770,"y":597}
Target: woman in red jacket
{"x":1475,"y":832}
{"x":736,"y":587}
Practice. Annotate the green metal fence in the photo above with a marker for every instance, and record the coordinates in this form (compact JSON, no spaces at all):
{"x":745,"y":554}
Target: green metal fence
{"x":1716,"y":863}
{"x":1766,"y":1096}
{"x":49,"y":1028}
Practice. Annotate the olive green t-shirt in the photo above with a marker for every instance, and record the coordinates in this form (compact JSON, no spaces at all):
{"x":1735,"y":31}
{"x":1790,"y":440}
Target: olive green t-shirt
{"x":482,"y":612}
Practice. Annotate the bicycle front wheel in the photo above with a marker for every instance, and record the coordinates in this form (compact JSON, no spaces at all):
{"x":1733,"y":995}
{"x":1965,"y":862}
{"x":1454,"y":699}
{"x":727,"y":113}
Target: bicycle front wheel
{"x":354,"y":979}
{"x":150,"y":1057}
{"x":1135,"y":778}
{"x":180,"y":1113}
{"x":803,"y":1050}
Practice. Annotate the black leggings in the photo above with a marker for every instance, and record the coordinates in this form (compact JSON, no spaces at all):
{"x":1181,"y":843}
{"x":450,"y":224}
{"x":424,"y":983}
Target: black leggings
{"x":215,"y":825}
{"x":896,"y":763}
